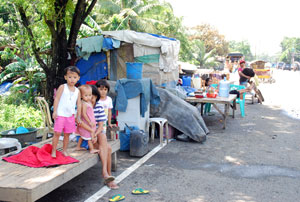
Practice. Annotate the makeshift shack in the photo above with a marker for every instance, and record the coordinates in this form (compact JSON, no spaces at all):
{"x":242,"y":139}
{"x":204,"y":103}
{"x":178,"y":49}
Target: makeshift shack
{"x":105,"y":56}
{"x":113,"y":49}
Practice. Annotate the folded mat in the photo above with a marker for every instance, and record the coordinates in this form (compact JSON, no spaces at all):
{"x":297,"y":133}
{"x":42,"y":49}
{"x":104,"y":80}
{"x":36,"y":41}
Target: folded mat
{"x":37,"y":157}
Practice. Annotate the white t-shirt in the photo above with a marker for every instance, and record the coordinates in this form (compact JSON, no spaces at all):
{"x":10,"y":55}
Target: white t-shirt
{"x":106,"y":104}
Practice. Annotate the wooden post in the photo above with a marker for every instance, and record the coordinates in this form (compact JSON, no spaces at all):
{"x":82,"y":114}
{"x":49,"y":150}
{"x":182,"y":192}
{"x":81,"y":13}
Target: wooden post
{"x":108,"y":63}
{"x":114,"y":161}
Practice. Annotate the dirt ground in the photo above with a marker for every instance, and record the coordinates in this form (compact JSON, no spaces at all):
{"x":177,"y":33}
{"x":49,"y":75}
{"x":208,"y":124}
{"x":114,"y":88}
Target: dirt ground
{"x":254,"y":159}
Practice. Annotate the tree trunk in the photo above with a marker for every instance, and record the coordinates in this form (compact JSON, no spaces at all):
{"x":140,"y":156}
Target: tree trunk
{"x":55,"y":76}
{"x":60,"y":44}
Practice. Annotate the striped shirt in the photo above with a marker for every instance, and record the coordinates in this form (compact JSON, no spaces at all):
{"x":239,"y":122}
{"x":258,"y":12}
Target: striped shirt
{"x":99,"y":113}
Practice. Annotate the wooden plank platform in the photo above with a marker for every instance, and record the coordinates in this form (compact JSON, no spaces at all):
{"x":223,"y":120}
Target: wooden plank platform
{"x":21,"y":183}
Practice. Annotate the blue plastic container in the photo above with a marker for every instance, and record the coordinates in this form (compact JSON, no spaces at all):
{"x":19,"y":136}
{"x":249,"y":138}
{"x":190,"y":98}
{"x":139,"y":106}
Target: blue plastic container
{"x":125,"y":137}
{"x":186,"y":81}
{"x":134,"y":70}
{"x":224,"y":88}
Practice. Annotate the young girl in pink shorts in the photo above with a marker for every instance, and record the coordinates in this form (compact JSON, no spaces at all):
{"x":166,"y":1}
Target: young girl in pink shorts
{"x":88,"y":117}
{"x":67,"y":96}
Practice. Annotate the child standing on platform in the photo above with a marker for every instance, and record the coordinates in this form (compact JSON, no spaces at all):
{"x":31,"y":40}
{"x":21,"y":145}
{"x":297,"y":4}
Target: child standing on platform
{"x":87,"y":112}
{"x":67,"y":96}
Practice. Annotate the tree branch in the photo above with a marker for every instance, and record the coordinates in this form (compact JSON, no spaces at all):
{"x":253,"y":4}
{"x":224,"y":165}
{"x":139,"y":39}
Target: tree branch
{"x":90,"y":8}
{"x":79,"y":16}
{"x":51,"y":26}
{"x":25,"y":23}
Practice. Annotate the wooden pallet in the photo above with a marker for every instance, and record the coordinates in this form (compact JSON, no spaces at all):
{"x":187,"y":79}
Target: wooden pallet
{"x":25,"y":184}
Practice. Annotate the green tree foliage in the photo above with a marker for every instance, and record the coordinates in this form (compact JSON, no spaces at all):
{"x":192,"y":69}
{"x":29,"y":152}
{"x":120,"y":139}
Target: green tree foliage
{"x":212,"y":39}
{"x":241,"y":47}
{"x":12,"y":116}
{"x":27,"y":74}
{"x":151,"y":16}
{"x":175,"y":29}
{"x":290,"y":47}
{"x":48,"y":29}
{"x":135,"y":15}
{"x":52,"y":27}
{"x":203,"y":58}
{"x":8,"y":24}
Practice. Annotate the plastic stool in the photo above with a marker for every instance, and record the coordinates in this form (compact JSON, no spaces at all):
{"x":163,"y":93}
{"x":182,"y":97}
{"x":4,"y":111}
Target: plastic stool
{"x":161,"y":122}
{"x":7,"y":143}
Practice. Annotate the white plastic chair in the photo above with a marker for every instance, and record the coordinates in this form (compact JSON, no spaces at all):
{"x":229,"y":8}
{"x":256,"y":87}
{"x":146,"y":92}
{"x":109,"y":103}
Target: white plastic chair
{"x":161,"y":122}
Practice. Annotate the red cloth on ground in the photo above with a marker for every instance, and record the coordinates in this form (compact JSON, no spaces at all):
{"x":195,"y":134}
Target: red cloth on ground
{"x":37,"y":157}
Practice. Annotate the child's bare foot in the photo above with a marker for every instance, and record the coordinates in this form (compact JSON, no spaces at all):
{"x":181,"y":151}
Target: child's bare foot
{"x":80,"y":149}
{"x":65,"y":153}
{"x":53,"y":154}
{"x":112,"y":185}
{"x":94,"y":151}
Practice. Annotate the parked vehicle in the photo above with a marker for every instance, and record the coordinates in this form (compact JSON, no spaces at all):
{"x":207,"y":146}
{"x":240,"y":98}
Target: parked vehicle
{"x":263,"y":72}
{"x":287,"y":67}
{"x":296,"y":66}
{"x":280,"y":65}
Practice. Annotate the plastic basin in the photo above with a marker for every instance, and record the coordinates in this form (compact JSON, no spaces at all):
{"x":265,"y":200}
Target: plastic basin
{"x":211,"y":95}
{"x":24,"y":138}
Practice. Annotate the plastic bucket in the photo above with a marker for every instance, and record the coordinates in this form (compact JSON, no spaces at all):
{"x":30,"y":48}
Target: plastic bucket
{"x":134,"y":70}
{"x":186,"y":81}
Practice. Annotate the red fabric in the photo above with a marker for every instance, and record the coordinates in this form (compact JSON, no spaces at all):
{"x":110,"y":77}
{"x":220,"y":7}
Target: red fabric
{"x":37,"y":157}
{"x":92,"y":82}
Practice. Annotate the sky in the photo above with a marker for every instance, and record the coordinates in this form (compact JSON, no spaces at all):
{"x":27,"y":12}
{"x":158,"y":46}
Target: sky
{"x":263,"y":23}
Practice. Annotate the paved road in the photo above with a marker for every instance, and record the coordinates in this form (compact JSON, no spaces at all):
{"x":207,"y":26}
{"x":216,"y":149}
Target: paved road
{"x":284,"y":92}
{"x":254,"y":159}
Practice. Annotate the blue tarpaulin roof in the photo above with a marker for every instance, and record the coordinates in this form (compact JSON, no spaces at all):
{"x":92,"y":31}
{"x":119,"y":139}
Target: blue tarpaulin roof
{"x":163,"y":37}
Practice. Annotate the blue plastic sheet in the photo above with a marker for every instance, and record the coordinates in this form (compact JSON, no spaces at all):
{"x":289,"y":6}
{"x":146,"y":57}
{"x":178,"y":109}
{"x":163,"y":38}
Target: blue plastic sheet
{"x":109,"y":44}
{"x":189,"y":89}
{"x":4,"y":87}
{"x":94,"y":68}
{"x":163,"y":37}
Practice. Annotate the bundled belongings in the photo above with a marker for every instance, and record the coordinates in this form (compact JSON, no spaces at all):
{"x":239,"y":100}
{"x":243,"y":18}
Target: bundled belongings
{"x":181,"y":115}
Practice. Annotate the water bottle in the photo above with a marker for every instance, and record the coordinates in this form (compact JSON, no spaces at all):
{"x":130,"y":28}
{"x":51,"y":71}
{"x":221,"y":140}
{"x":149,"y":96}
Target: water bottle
{"x":224,"y":88}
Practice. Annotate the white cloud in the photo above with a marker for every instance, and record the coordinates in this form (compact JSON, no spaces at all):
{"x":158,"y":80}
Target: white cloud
{"x":263,"y":23}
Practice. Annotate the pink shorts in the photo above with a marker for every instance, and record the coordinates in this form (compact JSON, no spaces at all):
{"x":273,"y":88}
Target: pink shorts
{"x":66,"y":124}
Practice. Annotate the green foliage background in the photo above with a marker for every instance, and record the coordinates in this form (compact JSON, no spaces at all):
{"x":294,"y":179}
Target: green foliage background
{"x":12,"y":116}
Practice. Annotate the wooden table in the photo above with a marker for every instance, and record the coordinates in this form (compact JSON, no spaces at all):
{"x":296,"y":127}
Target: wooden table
{"x":230,"y":101}
{"x":20,"y":183}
